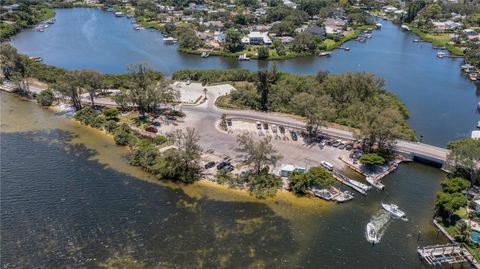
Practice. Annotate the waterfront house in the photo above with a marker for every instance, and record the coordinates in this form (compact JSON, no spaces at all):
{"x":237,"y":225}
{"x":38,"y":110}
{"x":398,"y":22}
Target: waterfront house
{"x":257,"y":38}
{"x":315,"y":31}
{"x":446,"y":25}
{"x":214,"y":24}
{"x":260,"y":12}
{"x":389,"y":9}
{"x":334,"y":26}
{"x":219,"y":37}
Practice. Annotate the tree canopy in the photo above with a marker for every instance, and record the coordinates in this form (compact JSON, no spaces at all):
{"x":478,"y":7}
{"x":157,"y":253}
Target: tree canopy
{"x":464,"y":158}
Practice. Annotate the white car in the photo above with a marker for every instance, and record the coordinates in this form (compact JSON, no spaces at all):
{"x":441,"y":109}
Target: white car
{"x":188,"y":82}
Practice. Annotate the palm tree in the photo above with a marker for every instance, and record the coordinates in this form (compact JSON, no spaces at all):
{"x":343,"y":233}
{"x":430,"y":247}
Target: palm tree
{"x":463,"y":232}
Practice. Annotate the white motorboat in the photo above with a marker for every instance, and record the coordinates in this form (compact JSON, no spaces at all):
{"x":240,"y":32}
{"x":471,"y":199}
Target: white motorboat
{"x":393,"y":210}
{"x":325,"y":53}
{"x":343,"y":197}
{"x":478,"y":124}
{"x":205,"y":54}
{"x":169,"y":39}
{"x":372,"y":235}
{"x":441,"y":55}
{"x":375,"y":183}
{"x":360,"y":185}
{"x":379,"y":25}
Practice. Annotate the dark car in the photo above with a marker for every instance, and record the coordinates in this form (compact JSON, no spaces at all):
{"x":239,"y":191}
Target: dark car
{"x":265,"y":126}
{"x":151,"y":129}
{"x":222,"y":165}
{"x":294,"y":135}
{"x":229,"y":122}
{"x":209,"y":165}
{"x":281,"y":129}
{"x":349,"y":146}
{"x":229,"y":167}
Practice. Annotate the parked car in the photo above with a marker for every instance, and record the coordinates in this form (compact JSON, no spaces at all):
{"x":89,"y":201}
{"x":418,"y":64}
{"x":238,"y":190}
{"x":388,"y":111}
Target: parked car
{"x":229,"y":122}
{"x":349,"y":146}
{"x":294,"y":135}
{"x":151,"y":129}
{"x":342,"y":145}
{"x":323,"y":144}
{"x":209,"y":165}
{"x":156,"y":122}
{"x":336,"y":143}
{"x":274,"y":128}
{"x":171,"y":117}
{"x":222,"y":165}
{"x":188,"y":82}
{"x":265,"y":126}
{"x":259,"y":125}
{"x":281,"y":129}
{"x":229,"y":167}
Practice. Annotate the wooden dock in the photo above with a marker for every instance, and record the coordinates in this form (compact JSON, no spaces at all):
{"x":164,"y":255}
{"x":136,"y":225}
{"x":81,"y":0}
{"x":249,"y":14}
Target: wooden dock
{"x":347,"y":181}
{"x":446,"y":254}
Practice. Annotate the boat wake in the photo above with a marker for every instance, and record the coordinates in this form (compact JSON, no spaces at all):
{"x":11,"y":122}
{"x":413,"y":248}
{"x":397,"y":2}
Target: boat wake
{"x":380,"y":221}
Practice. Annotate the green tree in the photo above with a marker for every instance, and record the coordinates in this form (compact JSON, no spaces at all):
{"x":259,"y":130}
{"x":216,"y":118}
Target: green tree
{"x":447,"y":203}
{"x":372,"y":159}
{"x":263,"y":53}
{"x":257,"y":154}
{"x":453,"y":185}
{"x":91,"y":82}
{"x":187,"y":39}
{"x":233,"y":40}
{"x":463,"y":232}
{"x":122,"y":135}
{"x":147,"y":89}
{"x":45,"y":98}
{"x":300,"y":183}
{"x":68,"y":85}
{"x":264,"y":184}
{"x":265,"y":80}
{"x":304,"y":42}
{"x":464,"y":158}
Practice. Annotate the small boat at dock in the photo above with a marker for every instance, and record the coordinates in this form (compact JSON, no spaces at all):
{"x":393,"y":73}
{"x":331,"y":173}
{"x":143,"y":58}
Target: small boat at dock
{"x":379,"y":25}
{"x":405,"y":27}
{"x":372,"y":235}
{"x":416,"y":40}
{"x":325,"y":53}
{"x":205,"y":54}
{"x":243,"y":57}
{"x":375,"y":183}
{"x":478,"y":124}
{"x":473,"y":76}
{"x":322,"y":193}
{"x":118,"y":14}
{"x":360,"y":185}
{"x":394,"y":211}
{"x":441,"y":55}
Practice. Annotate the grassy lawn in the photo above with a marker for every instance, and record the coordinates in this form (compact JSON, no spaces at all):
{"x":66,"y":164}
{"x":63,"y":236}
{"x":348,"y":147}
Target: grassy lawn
{"x":438,"y":40}
{"x":330,"y":44}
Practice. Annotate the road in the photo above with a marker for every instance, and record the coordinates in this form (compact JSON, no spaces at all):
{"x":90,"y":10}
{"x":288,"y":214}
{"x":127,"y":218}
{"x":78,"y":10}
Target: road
{"x":206,"y":114}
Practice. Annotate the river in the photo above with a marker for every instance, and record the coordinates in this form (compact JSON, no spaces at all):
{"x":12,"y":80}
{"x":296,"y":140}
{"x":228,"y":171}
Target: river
{"x":441,"y":100}
{"x":70,"y":199}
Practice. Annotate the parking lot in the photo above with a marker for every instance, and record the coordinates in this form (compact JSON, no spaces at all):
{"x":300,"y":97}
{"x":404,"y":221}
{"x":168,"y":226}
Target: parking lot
{"x":292,"y":145}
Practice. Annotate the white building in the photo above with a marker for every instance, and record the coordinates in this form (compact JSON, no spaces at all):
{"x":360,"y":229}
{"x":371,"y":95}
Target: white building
{"x":257,"y":38}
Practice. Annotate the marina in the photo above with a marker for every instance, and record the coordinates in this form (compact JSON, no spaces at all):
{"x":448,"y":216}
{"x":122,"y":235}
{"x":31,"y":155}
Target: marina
{"x":445,"y":254}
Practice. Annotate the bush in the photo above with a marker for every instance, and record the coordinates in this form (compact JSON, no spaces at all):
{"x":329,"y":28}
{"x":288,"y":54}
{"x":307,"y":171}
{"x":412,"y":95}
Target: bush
{"x":264,"y":184}
{"x":110,"y":126}
{"x":372,"y":159}
{"x":215,"y":75}
{"x":122,"y":135}
{"x":86,"y":115}
{"x":45,"y":98}
{"x":263,"y":53}
{"x":111,"y":113}
{"x":159,"y":139}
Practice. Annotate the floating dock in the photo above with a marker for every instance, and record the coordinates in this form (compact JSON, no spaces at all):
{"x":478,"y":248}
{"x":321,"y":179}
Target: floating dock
{"x":360,"y":187}
{"x":446,"y":254}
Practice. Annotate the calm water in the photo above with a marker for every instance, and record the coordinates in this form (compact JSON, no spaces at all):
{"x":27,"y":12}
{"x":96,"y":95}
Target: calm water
{"x":69,"y":199}
{"x":442,"y":102}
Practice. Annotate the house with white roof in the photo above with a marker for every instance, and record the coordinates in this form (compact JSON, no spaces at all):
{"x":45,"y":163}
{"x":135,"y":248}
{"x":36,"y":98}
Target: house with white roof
{"x":257,"y":38}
